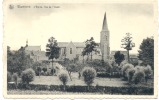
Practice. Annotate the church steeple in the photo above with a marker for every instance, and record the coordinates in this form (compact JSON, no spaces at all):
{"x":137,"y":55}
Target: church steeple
{"x":105,"y":26}
{"x":104,"y":40}
{"x":27,"y":43}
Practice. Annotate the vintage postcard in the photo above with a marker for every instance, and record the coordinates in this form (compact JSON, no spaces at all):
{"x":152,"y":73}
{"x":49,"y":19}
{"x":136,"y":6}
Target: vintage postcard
{"x":80,"y":49}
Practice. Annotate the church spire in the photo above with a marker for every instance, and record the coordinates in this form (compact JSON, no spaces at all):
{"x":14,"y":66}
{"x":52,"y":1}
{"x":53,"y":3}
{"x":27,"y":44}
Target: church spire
{"x":27,"y":43}
{"x":105,"y":26}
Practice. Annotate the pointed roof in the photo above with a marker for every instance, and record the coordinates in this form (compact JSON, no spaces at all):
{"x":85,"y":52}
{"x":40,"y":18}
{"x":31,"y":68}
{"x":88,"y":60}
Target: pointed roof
{"x":77,"y":44}
{"x":33,"y":48}
{"x":105,"y":26}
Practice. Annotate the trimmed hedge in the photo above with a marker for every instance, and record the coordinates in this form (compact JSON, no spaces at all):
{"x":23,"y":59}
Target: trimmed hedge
{"x":131,"y":90}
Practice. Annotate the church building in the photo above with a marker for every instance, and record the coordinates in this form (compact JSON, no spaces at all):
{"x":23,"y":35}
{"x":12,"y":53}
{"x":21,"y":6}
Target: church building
{"x":73,"y":50}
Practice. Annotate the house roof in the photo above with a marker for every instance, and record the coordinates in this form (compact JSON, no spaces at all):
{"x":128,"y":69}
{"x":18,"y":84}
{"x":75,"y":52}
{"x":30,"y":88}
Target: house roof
{"x":65,"y":44}
{"x":40,"y":54}
{"x":33,"y":48}
{"x":77,"y":44}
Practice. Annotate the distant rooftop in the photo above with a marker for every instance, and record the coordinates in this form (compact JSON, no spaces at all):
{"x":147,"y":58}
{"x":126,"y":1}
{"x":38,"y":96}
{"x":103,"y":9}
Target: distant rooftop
{"x":33,"y":48}
{"x":77,"y":44}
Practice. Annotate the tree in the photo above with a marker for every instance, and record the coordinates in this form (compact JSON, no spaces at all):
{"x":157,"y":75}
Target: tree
{"x":125,"y":68}
{"x":90,"y":47}
{"x":64,"y":79}
{"x":37,"y":68}
{"x":127,"y":43}
{"x":52,"y":49}
{"x":148,"y":72}
{"x":18,"y":61}
{"x":89,"y":75}
{"x":71,"y":68}
{"x":27,"y":76}
{"x":146,"y":52}
{"x":138,"y":76}
{"x":118,"y":57}
{"x":44,"y":69}
{"x":39,"y":71}
{"x":83,"y":54}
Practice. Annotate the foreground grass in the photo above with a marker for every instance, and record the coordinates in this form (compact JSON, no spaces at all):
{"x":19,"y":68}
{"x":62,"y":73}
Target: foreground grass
{"x":33,"y":92}
{"x":54,"y":80}
{"x":113,"y":82}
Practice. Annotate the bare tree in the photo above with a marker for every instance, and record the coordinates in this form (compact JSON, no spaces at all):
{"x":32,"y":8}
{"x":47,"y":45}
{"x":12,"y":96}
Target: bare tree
{"x":127,"y":43}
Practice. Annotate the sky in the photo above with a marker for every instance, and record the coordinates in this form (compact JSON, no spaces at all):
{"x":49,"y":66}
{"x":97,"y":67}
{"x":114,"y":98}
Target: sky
{"x":77,"y":23}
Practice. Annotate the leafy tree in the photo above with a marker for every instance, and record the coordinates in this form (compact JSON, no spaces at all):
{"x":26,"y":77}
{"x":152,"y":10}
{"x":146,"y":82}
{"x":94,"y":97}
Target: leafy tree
{"x":44,"y":69}
{"x":64,"y":79}
{"x":139,"y":75}
{"x":146,"y":52}
{"x":130,"y":72}
{"x":27,"y":76}
{"x":71,"y":68}
{"x":18,"y":61}
{"x":127,"y":43}
{"x":83,"y":54}
{"x":89,"y":75}
{"x":118,"y":57}
{"x":37,"y":67}
{"x":39,"y":70}
{"x":90,"y":47}
{"x":148,"y":72}
{"x":52,"y":49}
{"x":125,"y":68}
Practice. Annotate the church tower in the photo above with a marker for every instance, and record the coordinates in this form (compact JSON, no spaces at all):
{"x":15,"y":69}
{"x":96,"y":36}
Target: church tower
{"x":104,"y":40}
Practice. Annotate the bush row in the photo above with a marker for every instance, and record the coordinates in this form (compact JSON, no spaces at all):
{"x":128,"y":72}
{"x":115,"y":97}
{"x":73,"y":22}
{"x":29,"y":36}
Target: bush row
{"x":109,"y":75}
{"x":93,"y":89}
{"x":136,"y":74}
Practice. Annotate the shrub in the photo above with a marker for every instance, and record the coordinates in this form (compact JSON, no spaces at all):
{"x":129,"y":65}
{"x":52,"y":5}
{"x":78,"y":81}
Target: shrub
{"x":38,"y":71}
{"x":44,"y":69}
{"x":53,"y":71}
{"x":148,"y":72}
{"x":28,"y":76}
{"x":89,"y":75}
{"x":15,"y":78}
{"x":71,"y":68}
{"x":99,"y":65}
{"x":63,"y":78}
{"x":139,"y":75}
{"x":9,"y":77}
{"x":123,"y":63}
{"x":125,"y":68}
{"x":108,"y":75}
{"x":130,"y":72}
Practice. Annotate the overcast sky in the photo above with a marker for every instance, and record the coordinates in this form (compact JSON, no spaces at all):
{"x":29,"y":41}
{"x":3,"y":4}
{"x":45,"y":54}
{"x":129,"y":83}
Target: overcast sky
{"x":78,"y":22}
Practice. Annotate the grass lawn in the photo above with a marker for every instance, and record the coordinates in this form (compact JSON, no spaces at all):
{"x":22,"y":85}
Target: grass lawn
{"x":113,"y":82}
{"x":33,"y":92}
{"x":54,"y":80}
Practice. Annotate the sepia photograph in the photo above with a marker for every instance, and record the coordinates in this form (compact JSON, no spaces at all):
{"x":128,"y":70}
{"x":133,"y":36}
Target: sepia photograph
{"x":65,"y":49}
